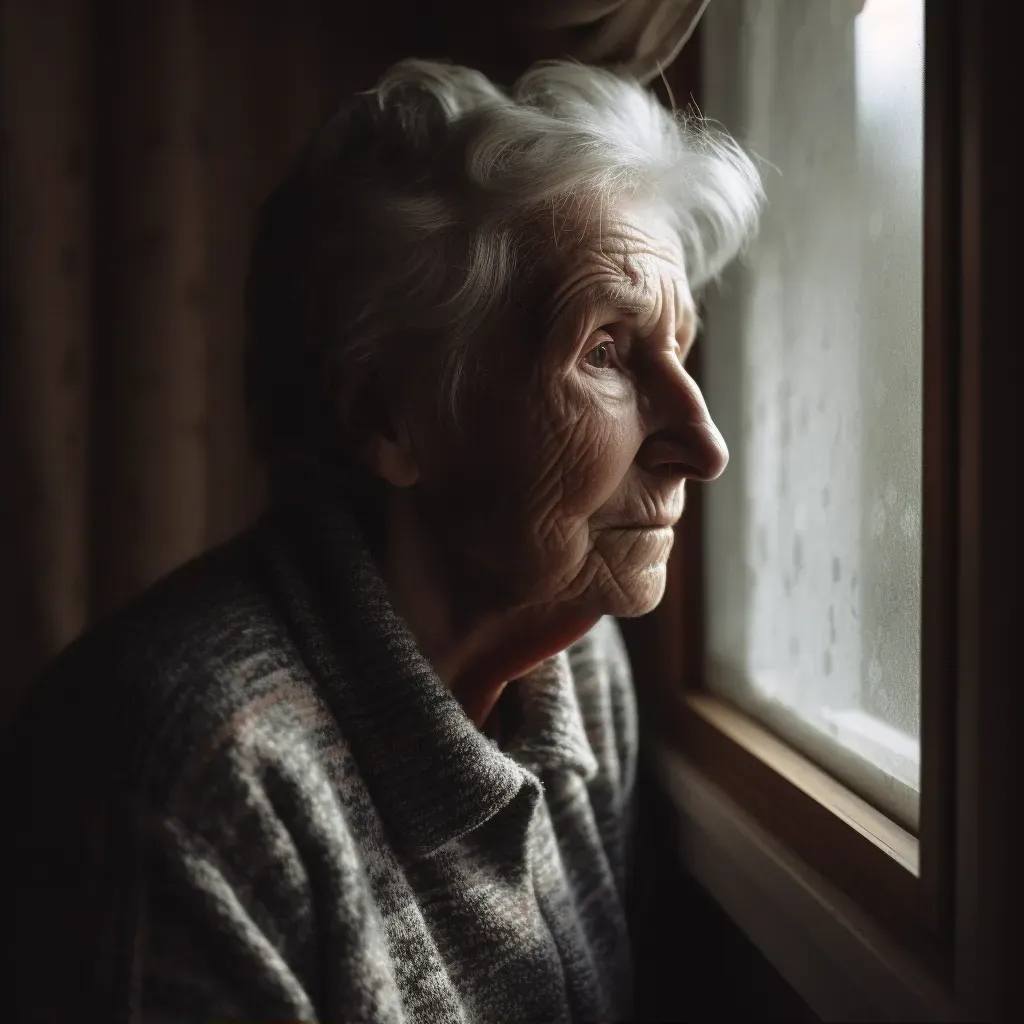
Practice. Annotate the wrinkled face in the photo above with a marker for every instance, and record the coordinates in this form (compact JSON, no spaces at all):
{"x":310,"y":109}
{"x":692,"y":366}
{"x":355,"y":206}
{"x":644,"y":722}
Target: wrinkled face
{"x":567,"y":478}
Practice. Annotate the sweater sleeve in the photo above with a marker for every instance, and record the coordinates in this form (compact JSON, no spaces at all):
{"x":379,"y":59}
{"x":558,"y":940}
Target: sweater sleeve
{"x":256,"y":906}
{"x":240,"y":896}
{"x":203,"y":944}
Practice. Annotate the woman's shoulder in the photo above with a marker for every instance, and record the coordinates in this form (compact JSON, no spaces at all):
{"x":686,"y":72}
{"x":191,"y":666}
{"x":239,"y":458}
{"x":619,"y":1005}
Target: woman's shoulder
{"x":178,"y":757}
{"x":140,"y":693}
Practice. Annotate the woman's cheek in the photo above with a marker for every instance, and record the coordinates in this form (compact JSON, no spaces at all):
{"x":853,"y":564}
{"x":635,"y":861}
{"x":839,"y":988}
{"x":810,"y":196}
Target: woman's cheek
{"x":618,"y":432}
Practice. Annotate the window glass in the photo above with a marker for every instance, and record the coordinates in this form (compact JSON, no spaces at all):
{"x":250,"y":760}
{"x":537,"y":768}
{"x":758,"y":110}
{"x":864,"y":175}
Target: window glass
{"x":813,"y":371}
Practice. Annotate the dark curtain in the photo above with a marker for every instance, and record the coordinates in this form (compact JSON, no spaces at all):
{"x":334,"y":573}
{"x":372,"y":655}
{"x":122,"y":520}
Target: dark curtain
{"x":138,"y":139}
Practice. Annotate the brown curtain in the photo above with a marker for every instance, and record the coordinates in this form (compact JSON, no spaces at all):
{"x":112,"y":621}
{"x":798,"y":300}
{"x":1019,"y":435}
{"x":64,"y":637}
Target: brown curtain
{"x":137,"y":140}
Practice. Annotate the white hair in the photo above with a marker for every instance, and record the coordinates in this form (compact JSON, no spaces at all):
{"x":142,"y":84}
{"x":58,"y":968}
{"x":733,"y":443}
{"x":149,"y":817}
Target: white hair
{"x":420,"y":207}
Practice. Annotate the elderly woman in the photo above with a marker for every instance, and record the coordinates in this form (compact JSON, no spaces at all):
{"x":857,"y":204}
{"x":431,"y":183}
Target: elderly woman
{"x":372,"y":760}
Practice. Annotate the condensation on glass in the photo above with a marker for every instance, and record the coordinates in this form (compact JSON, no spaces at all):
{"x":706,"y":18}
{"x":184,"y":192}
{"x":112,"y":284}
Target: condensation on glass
{"x":813,"y":371}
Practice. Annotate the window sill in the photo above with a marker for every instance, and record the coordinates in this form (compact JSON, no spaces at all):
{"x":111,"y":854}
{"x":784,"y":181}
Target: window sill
{"x":840,"y":962}
{"x":866,"y":855}
{"x":859,"y":751}
{"x":816,"y":783}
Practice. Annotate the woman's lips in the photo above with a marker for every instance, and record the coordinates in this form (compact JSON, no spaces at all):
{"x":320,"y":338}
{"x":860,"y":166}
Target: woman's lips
{"x":647,"y":526}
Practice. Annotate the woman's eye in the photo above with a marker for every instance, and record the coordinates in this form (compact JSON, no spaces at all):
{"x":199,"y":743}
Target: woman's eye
{"x":601,"y":356}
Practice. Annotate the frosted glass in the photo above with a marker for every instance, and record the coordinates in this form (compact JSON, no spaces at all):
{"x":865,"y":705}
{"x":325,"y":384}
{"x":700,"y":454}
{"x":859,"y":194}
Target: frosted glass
{"x":813,"y":370}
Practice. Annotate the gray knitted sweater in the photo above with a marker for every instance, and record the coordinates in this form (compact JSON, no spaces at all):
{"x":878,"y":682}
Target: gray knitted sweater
{"x":249,"y":797}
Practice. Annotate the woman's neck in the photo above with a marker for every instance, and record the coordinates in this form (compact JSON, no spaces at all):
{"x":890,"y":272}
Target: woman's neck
{"x":474,"y":653}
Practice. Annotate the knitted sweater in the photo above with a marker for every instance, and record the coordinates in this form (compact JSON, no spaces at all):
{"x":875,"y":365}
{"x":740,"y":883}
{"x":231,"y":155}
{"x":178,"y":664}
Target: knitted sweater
{"x":249,"y":797}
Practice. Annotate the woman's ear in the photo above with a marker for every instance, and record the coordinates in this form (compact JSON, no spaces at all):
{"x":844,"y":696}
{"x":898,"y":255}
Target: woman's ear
{"x":381,"y":436}
{"x":391,"y":455}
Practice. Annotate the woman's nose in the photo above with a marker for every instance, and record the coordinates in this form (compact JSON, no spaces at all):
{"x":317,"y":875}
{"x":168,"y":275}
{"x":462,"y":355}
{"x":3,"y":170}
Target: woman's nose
{"x":682,"y":438}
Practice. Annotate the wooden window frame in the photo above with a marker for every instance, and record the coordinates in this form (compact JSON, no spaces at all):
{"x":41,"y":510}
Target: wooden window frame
{"x":904,"y":926}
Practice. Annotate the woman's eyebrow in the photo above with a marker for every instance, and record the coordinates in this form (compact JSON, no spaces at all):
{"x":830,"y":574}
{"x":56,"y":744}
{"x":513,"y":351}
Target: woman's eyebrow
{"x":627,"y":298}
{"x":627,"y":295}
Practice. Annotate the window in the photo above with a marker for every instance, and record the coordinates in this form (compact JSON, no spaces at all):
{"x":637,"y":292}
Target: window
{"x":814,"y":374}
{"x":866,"y":845}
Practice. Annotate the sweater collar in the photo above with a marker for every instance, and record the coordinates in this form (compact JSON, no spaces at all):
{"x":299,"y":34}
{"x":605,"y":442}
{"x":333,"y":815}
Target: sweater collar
{"x":432,"y":774}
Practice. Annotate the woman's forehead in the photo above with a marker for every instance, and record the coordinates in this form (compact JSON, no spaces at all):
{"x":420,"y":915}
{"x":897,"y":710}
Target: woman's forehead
{"x":623,"y":262}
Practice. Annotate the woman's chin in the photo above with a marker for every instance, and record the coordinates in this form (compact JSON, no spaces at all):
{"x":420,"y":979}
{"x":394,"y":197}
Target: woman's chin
{"x":640,"y":593}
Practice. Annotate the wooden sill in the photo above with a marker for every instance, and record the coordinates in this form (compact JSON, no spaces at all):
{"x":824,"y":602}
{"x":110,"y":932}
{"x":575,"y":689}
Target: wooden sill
{"x":838,"y":836}
{"x":814,"y":782}
{"x":839,"y":960}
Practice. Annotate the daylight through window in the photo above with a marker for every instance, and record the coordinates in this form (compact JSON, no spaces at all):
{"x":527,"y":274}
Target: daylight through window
{"x":813,"y":371}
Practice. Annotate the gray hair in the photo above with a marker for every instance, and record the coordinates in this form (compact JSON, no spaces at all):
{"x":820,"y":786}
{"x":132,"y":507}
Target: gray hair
{"x":418,"y":210}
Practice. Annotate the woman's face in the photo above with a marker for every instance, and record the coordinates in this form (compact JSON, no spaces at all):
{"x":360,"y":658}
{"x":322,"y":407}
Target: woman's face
{"x":566,"y":477}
